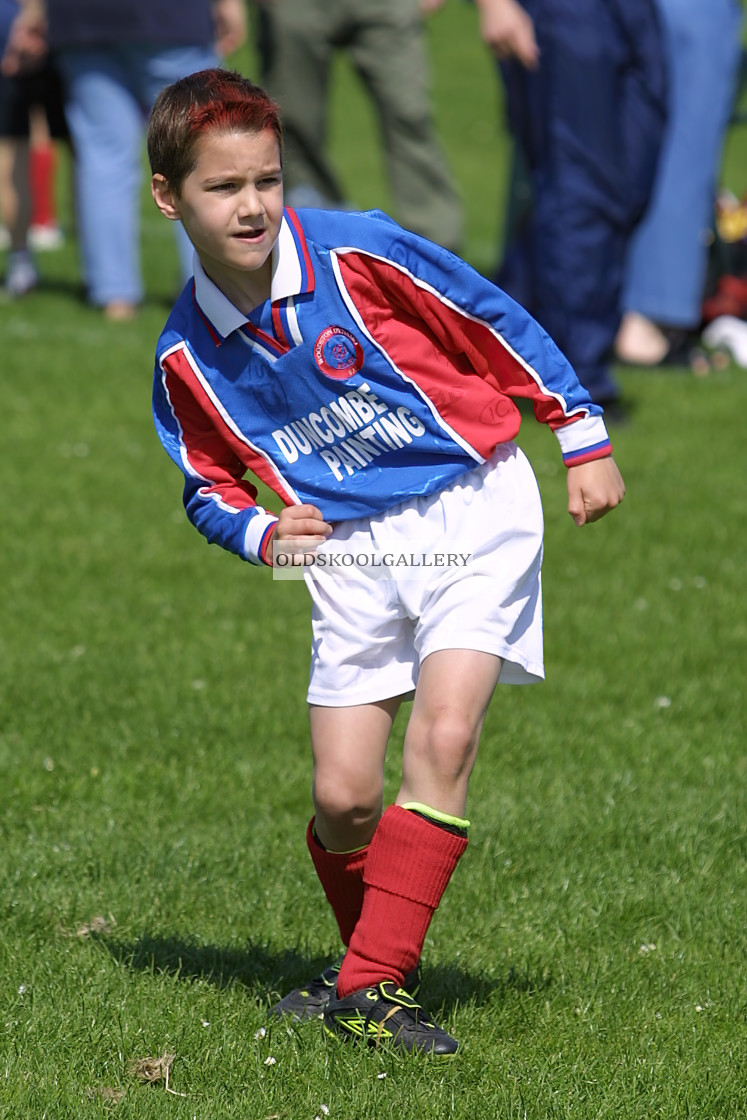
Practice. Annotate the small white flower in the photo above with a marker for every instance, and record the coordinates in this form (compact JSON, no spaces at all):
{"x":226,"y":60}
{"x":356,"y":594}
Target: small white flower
{"x":325,"y":1109}
{"x":270,"y":1061}
{"x":663,"y":702}
{"x":650,"y":947}
{"x":205,"y":1023}
{"x":381,"y":1076}
{"x":699,"y":582}
{"x":675,"y":584}
{"x":260,"y":1033}
{"x":21,"y":989}
{"x":698,"y":1007}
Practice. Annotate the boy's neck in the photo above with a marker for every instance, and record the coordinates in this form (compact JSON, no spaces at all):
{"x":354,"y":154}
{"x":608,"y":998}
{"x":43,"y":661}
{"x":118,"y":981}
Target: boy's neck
{"x":246,"y":290}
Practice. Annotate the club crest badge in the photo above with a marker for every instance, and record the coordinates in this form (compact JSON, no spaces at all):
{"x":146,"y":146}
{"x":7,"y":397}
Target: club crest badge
{"x":338,"y":353}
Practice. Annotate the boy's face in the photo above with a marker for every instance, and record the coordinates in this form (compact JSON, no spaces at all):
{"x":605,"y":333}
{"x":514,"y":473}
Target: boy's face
{"x":231,"y":204}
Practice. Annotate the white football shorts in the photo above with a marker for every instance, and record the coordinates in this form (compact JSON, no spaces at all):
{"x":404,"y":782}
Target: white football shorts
{"x":460,"y":569}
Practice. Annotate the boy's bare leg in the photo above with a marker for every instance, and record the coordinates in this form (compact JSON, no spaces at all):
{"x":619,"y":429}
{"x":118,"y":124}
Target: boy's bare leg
{"x":413,"y":854}
{"x":349,"y":746}
{"x":451,"y":699}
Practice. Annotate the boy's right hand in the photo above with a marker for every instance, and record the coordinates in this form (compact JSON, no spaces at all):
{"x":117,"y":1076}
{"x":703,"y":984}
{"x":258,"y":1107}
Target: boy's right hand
{"x":299,"y":530}
{"x":302,"y":523}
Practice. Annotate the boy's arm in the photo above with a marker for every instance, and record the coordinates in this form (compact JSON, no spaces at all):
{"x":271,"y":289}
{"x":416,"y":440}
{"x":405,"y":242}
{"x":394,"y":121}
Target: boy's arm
{"x":594,"y":488}
{"x":479,"y":329}
{"x":218,"y":500}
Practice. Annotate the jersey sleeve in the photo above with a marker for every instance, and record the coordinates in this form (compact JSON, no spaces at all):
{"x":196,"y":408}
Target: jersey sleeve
{"x":219,"y":501}
{"x":475,"y":322}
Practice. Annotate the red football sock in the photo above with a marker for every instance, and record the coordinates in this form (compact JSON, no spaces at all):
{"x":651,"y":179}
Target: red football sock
{"x":410,"y":861}
{"x":341,"y":876}
{"x":42,"y":159}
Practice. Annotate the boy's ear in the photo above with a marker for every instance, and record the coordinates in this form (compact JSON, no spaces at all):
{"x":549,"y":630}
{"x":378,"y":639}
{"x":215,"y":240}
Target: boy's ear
{"x":164,"y":198}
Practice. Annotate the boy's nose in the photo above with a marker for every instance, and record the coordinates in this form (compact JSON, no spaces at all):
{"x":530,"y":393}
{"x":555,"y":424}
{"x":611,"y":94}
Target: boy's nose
{"x":251,"y":202}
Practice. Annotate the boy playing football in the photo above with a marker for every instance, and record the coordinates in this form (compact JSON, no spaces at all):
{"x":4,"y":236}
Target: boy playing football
{"x":365,"y":375}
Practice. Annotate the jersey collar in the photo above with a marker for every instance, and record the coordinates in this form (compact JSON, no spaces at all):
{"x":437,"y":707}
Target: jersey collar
{"x":292,"y":275}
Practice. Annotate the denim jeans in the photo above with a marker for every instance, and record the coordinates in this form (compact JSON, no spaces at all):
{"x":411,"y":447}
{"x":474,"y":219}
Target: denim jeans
{"x":109,"y":93}
{"x":668,"y":255}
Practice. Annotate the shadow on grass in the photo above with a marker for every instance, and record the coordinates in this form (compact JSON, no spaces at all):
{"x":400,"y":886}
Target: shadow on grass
{"x":253,"y":966}
{"x":449,"y":986}
{"x":267,"y":974}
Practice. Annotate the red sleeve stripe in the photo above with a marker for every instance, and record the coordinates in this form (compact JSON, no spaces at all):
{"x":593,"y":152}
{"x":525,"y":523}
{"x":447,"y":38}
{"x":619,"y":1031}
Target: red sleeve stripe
{"x":472,"y":396}
{"x":597,"y":451}
{"x":265,"y":552}
{"x":187,"y":387}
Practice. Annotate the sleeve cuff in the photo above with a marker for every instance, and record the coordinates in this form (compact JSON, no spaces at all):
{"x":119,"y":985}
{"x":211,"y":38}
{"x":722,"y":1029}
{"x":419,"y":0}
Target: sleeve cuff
{"x":584,"y":440}
{"x":257,"y":538}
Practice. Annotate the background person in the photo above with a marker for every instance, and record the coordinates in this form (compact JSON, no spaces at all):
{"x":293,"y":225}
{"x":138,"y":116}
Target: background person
{"x":385,"y":42}
{"x":31,"y":119}
{"x":585,"y":88}
{"x":114,"y":58}
{"x":667,"y":259}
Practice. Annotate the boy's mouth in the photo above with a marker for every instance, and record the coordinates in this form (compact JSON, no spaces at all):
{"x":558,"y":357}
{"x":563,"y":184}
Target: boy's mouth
{"x":250,"y":234}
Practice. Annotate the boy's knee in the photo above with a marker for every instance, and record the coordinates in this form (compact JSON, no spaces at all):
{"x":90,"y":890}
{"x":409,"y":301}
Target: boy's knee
{"x":346,"y":804}
{"x":447,"y":738}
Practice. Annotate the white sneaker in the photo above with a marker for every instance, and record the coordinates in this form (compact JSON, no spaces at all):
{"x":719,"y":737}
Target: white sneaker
{"x":21,"y":276}
{"x":729,"y":333}
{"x":45,"y":238}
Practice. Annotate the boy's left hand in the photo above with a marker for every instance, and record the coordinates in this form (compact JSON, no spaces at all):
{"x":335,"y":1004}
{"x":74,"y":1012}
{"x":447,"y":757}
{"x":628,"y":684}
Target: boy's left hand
{"x":594,"y":489}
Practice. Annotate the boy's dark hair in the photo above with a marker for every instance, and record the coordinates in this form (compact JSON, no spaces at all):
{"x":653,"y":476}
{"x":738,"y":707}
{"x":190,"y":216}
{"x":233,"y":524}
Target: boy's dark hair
{"x":210,"y":100}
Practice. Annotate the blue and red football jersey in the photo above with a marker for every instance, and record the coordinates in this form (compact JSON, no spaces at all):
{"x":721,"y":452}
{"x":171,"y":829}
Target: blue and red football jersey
{"x":382,"y":367}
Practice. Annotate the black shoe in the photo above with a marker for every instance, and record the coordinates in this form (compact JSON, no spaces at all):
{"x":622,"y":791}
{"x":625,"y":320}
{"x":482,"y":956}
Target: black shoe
{"x":387,"y":1014}
{"x":306,"y":1002}
{"x":310,"y":1001}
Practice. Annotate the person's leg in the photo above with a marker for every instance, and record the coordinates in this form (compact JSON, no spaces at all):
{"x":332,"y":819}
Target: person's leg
{"x":295,"y":42}
{"x":452,"y":696}
{"x":574,"y":118}
{"x":421,"y":838}
{"x":151,"y":71}
{"x":388,"y":50}
{"x":15,"y":194}
{"x":21,"y":276}
{"x":668,"y":255}
{"x":349,"y":745}
{"x":106,"y":128}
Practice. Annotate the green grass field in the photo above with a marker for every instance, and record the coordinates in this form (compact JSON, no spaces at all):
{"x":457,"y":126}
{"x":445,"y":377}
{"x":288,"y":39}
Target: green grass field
{"x":155,"y":890}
